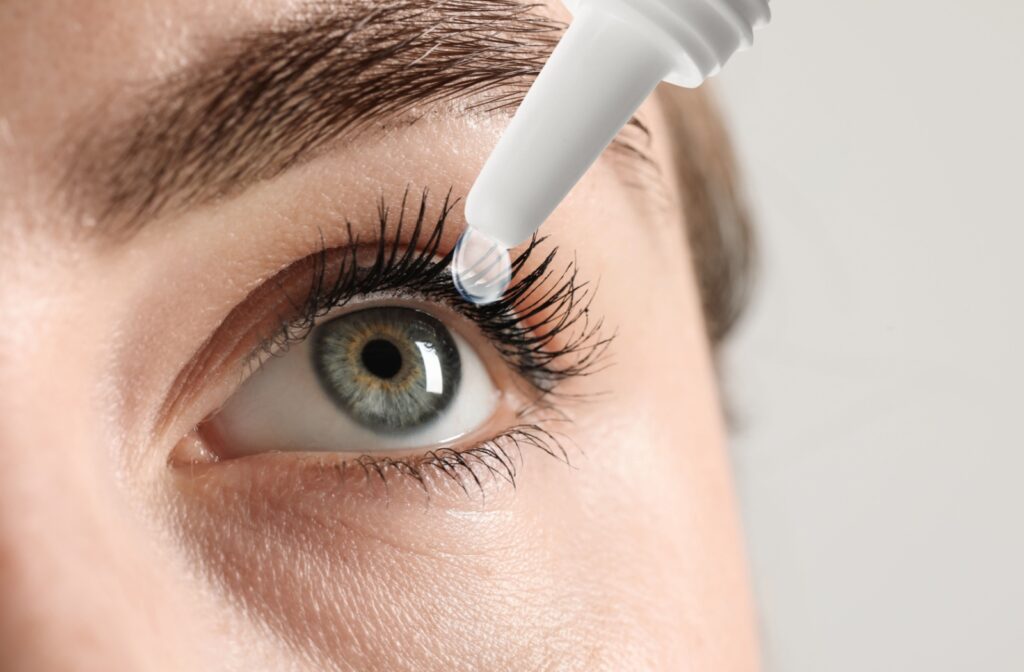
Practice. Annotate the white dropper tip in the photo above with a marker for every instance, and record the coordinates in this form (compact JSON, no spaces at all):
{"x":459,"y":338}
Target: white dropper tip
{"x":609,"y":61}
{"x":481,"y":267}
{"x":600,"y":73}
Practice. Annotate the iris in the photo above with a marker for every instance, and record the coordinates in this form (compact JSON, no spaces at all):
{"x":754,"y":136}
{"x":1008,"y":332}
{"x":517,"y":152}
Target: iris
{"x":391,"y":369}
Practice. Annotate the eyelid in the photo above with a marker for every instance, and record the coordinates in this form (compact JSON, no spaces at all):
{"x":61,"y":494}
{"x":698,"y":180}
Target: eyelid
{"x":431,"y":472}
{"x":446,"y":314}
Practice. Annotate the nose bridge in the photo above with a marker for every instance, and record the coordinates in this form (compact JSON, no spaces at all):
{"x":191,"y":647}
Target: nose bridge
{"x":70,"y":579}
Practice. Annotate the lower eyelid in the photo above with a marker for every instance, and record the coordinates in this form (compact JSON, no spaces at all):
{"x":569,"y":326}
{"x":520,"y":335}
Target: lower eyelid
{"x":327,"y":487}
{"x":492,"y":465}
{"x":490,"y":456}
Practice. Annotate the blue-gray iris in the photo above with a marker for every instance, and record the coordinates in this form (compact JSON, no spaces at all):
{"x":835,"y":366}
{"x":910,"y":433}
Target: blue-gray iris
{"x":391,"y":369}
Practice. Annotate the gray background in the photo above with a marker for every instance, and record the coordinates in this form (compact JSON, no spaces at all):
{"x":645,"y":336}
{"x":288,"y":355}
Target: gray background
{"x":878,"y":378}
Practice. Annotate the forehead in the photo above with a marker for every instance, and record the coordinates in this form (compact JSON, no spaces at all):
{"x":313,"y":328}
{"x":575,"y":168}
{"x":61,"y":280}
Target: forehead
{"x":60,"y":47}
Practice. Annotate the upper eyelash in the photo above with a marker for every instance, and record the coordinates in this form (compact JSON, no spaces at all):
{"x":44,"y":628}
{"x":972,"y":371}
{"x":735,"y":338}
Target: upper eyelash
{"x":541,"y":307}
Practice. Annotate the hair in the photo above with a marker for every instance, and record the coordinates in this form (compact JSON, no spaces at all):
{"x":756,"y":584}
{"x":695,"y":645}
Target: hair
{"x":717,"y":221}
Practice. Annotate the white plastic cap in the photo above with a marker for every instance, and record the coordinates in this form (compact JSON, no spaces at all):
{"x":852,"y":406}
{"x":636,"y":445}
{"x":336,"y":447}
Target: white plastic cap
{"x":702,"y":35}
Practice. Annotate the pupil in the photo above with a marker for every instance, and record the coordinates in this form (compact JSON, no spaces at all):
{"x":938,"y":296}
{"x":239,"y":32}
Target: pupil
{"x":382,"y":358}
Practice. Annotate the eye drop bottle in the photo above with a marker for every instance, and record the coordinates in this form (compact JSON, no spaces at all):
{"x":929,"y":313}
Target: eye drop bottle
{"x":609,"y":61}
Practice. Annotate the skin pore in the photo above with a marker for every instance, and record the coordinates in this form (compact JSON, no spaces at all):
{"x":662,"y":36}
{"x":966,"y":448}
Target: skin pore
{"x":145,"y":246}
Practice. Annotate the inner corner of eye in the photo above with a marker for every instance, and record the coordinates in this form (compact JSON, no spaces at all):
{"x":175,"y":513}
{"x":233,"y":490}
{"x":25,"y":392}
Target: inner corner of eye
{"x":379,"y":379}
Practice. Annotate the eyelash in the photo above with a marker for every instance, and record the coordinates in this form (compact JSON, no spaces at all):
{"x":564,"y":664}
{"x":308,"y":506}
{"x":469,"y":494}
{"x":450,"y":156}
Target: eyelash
{"x":494,"y":455}
{"x":541,"y":328}
{"x":525,"y":325}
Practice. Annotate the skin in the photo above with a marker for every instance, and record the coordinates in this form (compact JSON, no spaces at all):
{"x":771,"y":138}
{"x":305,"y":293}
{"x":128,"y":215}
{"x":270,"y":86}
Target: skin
{"x":116,"y":556}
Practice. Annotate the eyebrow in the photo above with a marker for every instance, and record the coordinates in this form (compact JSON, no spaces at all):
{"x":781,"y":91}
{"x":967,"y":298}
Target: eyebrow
{"x":260,"y":103}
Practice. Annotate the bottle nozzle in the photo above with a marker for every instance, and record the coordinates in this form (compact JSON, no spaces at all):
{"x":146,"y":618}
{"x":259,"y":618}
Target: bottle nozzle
{"x":481,"y":267}
{"x":608,"y":62}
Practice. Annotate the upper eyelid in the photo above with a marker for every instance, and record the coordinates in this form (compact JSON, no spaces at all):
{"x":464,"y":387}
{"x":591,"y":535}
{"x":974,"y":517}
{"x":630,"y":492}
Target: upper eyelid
{"x":535,"y":309}
{"x":278,"y":342}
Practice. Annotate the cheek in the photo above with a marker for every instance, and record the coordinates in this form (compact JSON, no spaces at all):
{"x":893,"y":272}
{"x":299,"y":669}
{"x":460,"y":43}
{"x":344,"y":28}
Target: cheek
{"x":384,"y":578}
{"x":653,"y":498}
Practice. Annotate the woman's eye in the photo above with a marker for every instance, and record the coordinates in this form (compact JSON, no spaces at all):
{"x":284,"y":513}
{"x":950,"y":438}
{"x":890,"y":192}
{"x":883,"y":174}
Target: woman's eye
{"x":386,"y":378}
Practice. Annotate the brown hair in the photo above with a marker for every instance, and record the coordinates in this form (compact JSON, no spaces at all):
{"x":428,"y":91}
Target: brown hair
{"x":717,"y":221}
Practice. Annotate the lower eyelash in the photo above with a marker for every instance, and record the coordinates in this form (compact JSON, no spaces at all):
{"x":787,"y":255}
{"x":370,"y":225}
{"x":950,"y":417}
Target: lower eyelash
{"x":499,"y":457}
{"x":542,"y":326}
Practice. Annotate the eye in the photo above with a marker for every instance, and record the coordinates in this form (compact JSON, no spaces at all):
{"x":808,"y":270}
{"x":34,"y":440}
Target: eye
{"x":385,"y":378}
{"x":375,"y":351}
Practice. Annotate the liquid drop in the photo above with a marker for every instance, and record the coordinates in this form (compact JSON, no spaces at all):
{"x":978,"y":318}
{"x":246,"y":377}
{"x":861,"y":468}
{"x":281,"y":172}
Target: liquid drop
{"x":482,"y":268}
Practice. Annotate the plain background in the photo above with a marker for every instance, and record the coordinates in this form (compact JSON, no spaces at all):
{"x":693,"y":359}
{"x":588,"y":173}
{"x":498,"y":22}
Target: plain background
{"x":878,"y":381}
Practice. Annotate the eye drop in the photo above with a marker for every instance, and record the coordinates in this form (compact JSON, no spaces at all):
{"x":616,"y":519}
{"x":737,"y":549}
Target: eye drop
{"x":609,"y":61}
